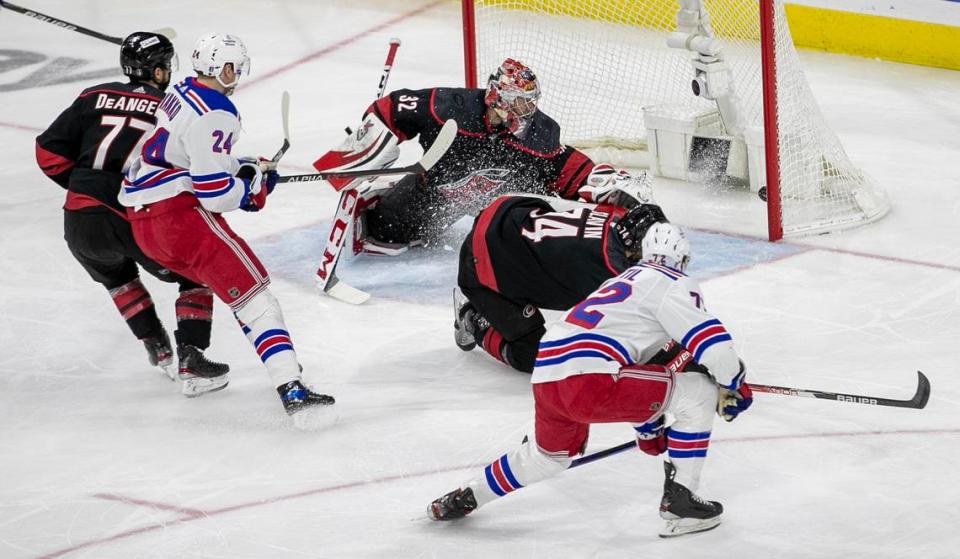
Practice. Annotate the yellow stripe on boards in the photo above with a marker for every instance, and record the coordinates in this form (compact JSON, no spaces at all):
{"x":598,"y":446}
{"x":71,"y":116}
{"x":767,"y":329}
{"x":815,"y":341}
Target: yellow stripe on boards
{"x":896,"y":40}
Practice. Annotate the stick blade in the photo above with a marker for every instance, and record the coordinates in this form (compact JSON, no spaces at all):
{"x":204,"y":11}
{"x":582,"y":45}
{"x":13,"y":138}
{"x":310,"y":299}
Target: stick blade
{"x":439,"y":147}
{"x":167,"y":32}
{"x":920,"y":399}
{"x":346,"y":293}
{"x":285,"y":114}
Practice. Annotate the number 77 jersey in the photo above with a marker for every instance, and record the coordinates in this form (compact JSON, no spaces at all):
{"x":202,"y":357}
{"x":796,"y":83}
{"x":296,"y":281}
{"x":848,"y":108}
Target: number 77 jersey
{"x":628,"y":319}
{"x":190,"y":150}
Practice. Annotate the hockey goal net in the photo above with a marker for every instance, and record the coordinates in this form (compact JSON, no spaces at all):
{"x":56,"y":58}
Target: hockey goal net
{"x":621,"y":73}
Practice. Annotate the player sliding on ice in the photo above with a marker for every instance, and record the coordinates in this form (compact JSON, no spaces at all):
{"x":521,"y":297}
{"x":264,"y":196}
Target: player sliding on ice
{"x":503,"y":144}
{"x":525,"y":254}
{"x":177,"y":190}
{"x":590,"y":369}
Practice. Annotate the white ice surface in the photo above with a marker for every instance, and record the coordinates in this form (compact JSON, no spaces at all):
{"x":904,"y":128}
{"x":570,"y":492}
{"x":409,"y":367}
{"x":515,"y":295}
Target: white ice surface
{"x":101,"y":457}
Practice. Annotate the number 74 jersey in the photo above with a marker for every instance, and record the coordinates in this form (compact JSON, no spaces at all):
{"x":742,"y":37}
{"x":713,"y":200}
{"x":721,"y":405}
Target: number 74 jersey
{"x":628,"y":319}
{"x":190,"y":150}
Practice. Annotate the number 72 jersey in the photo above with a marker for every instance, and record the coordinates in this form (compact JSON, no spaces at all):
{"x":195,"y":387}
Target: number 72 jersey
{"x":627,"y":320}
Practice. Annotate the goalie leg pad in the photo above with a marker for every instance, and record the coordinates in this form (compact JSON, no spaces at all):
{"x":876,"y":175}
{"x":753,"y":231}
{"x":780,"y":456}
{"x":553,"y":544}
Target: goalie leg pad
{"x":263,"y":324}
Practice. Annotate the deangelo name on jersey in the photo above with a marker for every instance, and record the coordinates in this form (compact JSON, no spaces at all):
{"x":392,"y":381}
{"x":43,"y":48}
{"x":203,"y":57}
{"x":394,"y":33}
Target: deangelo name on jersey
{"x":123,"y":103}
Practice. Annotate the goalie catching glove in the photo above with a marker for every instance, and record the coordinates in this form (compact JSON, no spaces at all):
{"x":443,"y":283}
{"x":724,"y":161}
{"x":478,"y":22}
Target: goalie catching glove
{"x":261,"y":176}
{"x":606,"y":185}
{"x":372,"y":146}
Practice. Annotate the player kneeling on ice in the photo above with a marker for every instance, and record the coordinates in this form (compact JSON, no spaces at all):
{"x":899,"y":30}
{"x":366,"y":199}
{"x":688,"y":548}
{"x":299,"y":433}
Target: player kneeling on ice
{"x":86,"y":151}
{"x":526,"y":253}
{"x":590,"y":369}
{"x":186,"y":177}
{"x":504,"y":143}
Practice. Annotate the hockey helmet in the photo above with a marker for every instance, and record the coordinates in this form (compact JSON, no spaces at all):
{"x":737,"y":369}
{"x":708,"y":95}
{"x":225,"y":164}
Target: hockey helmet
{"x":142,"y":52}
{"x":665,"y":243}
{"x":633,"y":226}
{"x":214,"y":51}
{"x":513,"y":92}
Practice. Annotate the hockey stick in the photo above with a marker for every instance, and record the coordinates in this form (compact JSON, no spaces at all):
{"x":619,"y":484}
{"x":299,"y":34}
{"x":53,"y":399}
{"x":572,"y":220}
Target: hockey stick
{"x":285,"y":117}
{"x":166,"y":31}
{"x":918,"y":401}
{"x":347,"y":207}
{"x":448,"y":133}
{"x":387,"y":66}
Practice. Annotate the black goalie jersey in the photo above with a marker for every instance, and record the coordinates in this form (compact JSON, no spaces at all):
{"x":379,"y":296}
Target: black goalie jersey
{"x":484,"y":161}
{"x":90,"y":145}
{"x":528,"y":251}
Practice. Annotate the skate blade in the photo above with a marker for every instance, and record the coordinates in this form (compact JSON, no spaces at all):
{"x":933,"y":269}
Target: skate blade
{"x":682,"y":526}
{"x":168,"y":368}
{"x":315,"y":418}
{"x":198,"y":386}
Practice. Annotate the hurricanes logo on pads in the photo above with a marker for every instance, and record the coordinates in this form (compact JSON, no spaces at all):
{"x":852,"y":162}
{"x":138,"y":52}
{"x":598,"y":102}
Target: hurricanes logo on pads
{"x":475,"y":185}
{"x":529,"y":311}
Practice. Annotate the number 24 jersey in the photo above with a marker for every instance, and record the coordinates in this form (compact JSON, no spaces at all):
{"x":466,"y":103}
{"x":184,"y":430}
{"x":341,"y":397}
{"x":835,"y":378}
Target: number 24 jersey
{"x":190,"y":151}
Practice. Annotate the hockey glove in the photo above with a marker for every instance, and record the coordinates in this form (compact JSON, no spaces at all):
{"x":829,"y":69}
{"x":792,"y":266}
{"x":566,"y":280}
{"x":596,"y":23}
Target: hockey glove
{"x":261,"y":176}
{"x":731,"y":403}
{"x":652,"y":437}
{"x":606,"y":185}
{"x":372,"y":146}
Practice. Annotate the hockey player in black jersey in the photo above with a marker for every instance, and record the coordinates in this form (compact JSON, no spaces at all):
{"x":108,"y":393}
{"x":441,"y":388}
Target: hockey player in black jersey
{"x":525,"y":254}
{"x":86,"y":151}
{"x":503,"y":144}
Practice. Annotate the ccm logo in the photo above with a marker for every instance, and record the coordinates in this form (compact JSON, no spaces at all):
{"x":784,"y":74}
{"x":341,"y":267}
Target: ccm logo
{"x":337,"y":233}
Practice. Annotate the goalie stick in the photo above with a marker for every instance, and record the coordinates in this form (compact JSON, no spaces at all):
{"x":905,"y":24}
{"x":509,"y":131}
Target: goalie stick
{"x":918,"y":402}
{"x":166,"y":31}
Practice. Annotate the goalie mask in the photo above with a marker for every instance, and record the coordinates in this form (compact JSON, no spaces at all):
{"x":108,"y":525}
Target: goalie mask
{"x":665,"y":244}
{"x":212,"y":52}
{"x":513,"y":92}
{"x":633,"y":226}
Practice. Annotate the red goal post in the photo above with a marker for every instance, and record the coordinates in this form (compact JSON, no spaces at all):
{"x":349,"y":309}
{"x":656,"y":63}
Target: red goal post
{"x":620,"y":74}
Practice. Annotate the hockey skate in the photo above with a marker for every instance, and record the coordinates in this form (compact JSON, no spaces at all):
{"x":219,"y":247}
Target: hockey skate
{"x":685,"y":511}
{"x":453,"y":505}
{"x":467,"y":322}
{"x":160,"y":354}
{"x":306,"y":407}
{"x":199,"y":375}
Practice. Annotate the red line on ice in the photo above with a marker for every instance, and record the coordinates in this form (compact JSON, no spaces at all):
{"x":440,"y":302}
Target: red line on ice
{"x":196,"y":514}
{"x":20,"y":127}
{"x":342,"y":43}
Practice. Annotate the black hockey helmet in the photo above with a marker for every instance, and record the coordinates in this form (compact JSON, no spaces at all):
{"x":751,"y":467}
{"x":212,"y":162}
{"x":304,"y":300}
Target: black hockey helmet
{"x":634,"y":225}
{"x":142,"y":52}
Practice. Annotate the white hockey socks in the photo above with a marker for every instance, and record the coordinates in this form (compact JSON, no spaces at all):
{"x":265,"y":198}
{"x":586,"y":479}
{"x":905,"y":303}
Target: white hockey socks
{"x":262,"y":322}
{"x":526,"y":465}
{"x":693,"y":404}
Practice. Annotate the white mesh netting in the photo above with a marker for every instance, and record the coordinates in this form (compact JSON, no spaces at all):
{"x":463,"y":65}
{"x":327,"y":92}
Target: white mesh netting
{"x":601,"y":61}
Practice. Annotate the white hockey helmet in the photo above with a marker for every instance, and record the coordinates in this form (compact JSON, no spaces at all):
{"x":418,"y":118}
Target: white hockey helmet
{"x":665,"y":243}
{"x":214,"y":51}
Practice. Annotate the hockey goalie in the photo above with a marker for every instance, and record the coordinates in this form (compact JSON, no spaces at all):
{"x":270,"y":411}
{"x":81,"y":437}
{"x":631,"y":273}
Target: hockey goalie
{"x":503,"y":144}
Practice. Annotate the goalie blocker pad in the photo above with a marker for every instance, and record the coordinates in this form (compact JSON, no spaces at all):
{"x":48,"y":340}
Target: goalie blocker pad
{"x":372,"y":146}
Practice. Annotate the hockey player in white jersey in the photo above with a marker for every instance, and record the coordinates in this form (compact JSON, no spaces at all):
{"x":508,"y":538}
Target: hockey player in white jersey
{"x":594,"y":366}
{"x":186,"y":177}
